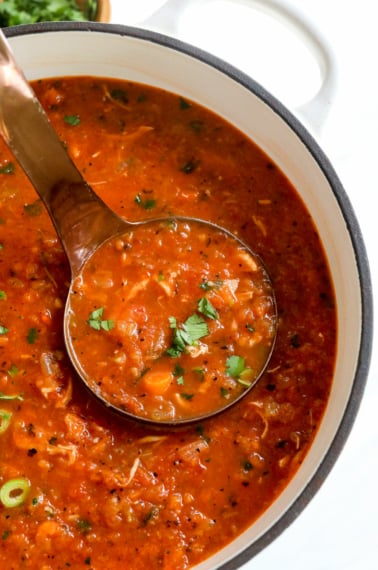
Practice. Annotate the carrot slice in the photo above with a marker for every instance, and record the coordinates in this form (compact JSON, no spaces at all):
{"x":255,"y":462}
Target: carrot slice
{"x":157,"y":382}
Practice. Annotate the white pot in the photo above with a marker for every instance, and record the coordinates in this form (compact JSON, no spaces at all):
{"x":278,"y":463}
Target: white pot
{"x":51,"y":50}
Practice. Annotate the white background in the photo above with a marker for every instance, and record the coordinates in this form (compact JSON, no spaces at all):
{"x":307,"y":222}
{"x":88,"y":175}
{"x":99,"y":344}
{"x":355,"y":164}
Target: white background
{"x":339,"y":528}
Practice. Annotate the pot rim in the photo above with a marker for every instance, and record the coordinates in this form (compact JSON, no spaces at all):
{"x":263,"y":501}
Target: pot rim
{"x":353,"y":228}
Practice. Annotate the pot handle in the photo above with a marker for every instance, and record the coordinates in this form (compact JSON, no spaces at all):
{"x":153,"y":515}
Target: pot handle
{"x":314,"y":112}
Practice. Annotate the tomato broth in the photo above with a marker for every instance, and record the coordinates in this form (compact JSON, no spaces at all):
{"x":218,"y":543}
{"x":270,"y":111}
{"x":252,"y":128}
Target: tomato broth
{"x":81,"y":487}
{"x":190,"y":320}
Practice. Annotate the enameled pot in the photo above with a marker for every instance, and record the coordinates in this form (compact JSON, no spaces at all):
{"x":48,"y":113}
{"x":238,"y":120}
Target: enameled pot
{"x":55,"y":49}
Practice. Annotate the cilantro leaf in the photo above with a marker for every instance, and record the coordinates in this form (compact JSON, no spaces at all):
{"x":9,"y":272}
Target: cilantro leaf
{"x":147,"y":204}
{"x":13,"y":371}
{"x":195,"y":327}
{"x":97,"y":323}
{"x":186,"y":396}
{"x":192,"y":330}
{"x":235,"y":365}
{"x":73,"y":120}
{"x":34,"y":209}
{"x":207,"y":309}
{"x":32,"y":335}
{"x":8,"y":168}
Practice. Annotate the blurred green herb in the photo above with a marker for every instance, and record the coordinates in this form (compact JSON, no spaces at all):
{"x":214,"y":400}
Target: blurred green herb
{"x":14,"y":12}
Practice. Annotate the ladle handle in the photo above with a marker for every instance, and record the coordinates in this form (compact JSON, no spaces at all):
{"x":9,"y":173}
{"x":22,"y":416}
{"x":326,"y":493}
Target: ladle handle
{"x":81,"y":218}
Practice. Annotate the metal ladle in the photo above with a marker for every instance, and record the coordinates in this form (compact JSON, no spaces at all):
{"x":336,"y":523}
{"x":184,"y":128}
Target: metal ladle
{"x":82,"y":220}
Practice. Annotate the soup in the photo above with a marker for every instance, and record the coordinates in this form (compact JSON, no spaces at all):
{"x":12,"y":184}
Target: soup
{"x":209,"y":320}
{"x":80,"y":487}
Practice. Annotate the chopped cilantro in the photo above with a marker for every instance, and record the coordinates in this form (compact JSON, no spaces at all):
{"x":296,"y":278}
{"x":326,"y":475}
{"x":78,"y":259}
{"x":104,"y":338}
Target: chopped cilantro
{"x":32,"y":335}
{"x":235,"y":365}
{"x":206,"y":308}
{"x":3,"y":295}
{"x":186,"y":396}
{"x":34,"y":209}
{"x":14,"y":12}
{"x":192,"y":330}
{"x":225,"y":393}
{"x":178,"y":370}
{"x":250,"y":328}
{"x":3,"y":330}
{"x":73,"y":120}
{"x":200,"y":372}
{"x":147,"y":204}
{"x":97,"y":323}
{"x":83,"y":525}
{"x":8,"y":168}
{"x":178,"y":373}
{"x":196,"y":327}
{"x":13,"y":371}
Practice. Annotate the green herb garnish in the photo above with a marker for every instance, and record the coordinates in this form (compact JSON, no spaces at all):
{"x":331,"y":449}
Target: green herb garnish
{"x":200,"y":373}
{"x":83,"y":525}
{"x":188,"y":334}
{"x":235,"y":367}
{"x":34,"y":209}
{"x":32,"y":335}
{"x":147,"y":204}
{"x":206,"y":308}
{"x":225,"y":393}
{"x":14,"y":12}
{"x":178,"y":370}
{"x":3,"y":330}
{"x":3,"y":295}
{"x":97,"y":323}
{"x":13,"y":371}
{"x":186,"y":396}
{"x":8,"y":168}
{"x":73,"y":120}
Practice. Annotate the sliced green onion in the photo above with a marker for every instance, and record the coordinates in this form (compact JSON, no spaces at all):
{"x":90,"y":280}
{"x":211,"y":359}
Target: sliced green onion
{"x":5,"y":419}
{"x":14,"y":492}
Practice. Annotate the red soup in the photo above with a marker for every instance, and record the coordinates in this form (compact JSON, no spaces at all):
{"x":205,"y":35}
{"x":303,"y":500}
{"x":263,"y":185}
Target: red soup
{"x":82,"y":488}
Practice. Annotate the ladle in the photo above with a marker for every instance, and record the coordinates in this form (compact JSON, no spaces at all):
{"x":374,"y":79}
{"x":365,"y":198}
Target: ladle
{"x":82,"y":220}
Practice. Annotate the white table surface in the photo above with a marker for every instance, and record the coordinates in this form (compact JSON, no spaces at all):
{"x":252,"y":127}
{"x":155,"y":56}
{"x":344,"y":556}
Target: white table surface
{"x":338,"y":529}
